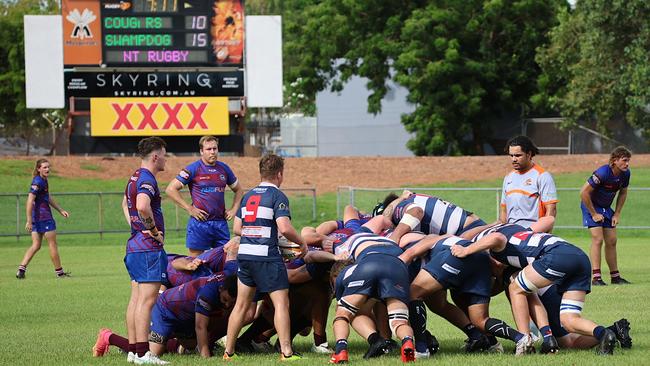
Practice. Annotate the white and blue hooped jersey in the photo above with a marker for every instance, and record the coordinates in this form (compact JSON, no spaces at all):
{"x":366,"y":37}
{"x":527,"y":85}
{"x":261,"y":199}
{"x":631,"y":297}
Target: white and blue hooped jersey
{"x":440,"y":217}
{"x":260,"y":207}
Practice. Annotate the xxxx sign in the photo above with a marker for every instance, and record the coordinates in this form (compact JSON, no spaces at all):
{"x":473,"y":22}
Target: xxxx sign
{"x":159,"y":116}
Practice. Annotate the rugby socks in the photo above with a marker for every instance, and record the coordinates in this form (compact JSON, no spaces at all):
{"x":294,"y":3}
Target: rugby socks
{"x":341,"y":345}
{"x":22,"y":268}
{"x":418,"y":321}
{"x":172,"y":345}
{"x":120,"y":342}
{"x":374,"y":337}
{"x":502,"y":330}
{"x":320,"y":339}
{"x":546,"y":332}
{"x":471,"y":331}
{"x":59,"y":271}
{"x":614,"y":275}
{"x":132,"y":348}
{"x":596,"y":274}
{"x":141,"y":348}
{"x":599,"y":332}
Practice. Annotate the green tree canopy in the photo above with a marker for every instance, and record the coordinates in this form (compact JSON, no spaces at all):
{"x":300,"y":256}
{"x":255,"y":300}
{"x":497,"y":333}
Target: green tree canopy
{"x":597,"y":65}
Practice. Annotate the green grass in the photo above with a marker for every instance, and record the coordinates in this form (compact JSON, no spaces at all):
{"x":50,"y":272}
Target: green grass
{"x":91,"y":167}
{"x":54,"y":322}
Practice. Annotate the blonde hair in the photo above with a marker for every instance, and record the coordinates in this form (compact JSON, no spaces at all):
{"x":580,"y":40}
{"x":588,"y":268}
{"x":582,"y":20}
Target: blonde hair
{"x":39,"y":162}
{"x":207,"y":138}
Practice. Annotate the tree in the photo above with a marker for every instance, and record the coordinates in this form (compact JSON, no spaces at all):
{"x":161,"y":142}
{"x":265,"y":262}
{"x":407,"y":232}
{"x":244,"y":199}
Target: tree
{"x":464,"y":63}
{"x":597,"y":66}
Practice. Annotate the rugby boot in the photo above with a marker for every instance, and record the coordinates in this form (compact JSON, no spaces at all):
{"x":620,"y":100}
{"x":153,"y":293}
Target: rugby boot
{"x":620,"y":281}
{"x":607,"y":343}
{"x":295,"y":356}
{"x":550,"y":345}
{"x":473,"y":345}
{"x":379,"y":348}
{"x":322,"y":348}
{"x":341,"y":357}
{"x":64,"y":275}
{"x":408,"y":351}
{"x":622,"y":330}
{"x":597,"y":281}
{"x":20,"y":274}
{"x":150,"y":359}
{"x":525,"y":346}
{"x":232,"y":357}
{"x":101,"y":344}
{"x":432,"y":343}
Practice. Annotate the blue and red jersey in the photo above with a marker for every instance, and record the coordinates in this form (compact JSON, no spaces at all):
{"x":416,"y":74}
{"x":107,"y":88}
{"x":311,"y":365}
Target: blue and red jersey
{"x":41,"y":210}
{"x":207,"y":184}
{"x":606,"y":184}
{"x":214,"y":263}
{"x":143,"y":181}
{"x":197,"y":296}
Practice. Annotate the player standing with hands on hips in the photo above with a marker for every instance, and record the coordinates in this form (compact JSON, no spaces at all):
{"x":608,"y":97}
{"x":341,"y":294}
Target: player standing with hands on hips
{"x":40,"y":221}
{"x":597,"y":196}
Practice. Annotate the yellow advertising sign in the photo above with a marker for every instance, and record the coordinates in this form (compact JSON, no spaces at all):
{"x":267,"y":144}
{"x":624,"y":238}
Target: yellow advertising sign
{"x":191,"y":116}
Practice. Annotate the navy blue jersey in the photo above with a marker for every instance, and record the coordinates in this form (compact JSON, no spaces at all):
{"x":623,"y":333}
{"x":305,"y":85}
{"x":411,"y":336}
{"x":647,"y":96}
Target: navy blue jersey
{"x":606,"y":184}
{"x":143,"y":181}
{"x":207,"y":184}
{"x":524,"y":247}
{"x":440,"y":217}
{"x":260,"y":207}
{"x":41,"y":210}
{"x":384,"y":245}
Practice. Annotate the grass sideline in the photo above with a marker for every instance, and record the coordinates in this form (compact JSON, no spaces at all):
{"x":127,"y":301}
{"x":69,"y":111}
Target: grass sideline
{"x":46,"y":321}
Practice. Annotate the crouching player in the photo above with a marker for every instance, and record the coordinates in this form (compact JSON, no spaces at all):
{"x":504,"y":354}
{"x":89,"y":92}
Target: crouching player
{"x":377,"y":274}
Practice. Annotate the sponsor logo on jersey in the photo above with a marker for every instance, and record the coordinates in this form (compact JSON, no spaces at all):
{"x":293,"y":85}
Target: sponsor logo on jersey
{"x":184,"y":174}
{"x":34,"y":187}
{"x":259,"y":190}
{"x":148,"y":187}
{"x":356,"y":283}
{"x":204,"y":304}
{"x":282,"y":206}
{"x":528,"y":181}
{"x":222,"y":177}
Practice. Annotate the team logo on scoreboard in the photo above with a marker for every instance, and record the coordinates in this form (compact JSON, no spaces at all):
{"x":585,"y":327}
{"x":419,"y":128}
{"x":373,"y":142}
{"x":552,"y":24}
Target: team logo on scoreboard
{"x":81,"y":22}
{"x":121,"y":5}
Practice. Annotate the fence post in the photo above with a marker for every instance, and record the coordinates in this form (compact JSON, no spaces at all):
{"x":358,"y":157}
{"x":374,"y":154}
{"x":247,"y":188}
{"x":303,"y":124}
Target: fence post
{"x":351,"y":196}
{"x":176,"y":211}
{"x":17,"y":217}
{"x":498,"y":203}
{"x":338,"y":202}
{"x":101,"y":217}
{"x":313,"y":204}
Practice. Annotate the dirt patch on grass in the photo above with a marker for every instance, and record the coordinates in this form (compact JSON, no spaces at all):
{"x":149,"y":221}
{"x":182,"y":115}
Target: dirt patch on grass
{"x":325,"y":174}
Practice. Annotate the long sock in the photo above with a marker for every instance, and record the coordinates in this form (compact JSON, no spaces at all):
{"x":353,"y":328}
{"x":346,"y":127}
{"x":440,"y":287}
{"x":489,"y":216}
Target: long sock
{"x":341,"y":345}
{"x":22,"y":268}
{"x":596,"y":273}
{"x":59,"y":271}
{"x":546,"y":333}
{"x":120,"y":342}
{"x":418,"y":321}
{"x":406,"y":339}
{"x":492,"y":340}
{"x":141,"y":348}
{"x":320,"y":339}
{"x":614,"y":274}
{"x":502,"y":330}
{"x":132,"y":348}
{"x":472,"y":331}
{"x":172,"y":345}
{"x":599,"y":332}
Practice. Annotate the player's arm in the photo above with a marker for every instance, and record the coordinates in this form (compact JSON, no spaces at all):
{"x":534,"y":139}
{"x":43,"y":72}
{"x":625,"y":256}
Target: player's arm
{"x":236,"y":226}
{"x":548,"y":194}
{"x":620,"y":201}
{"x":550,"y":209}
{"x":503,"y":214}
{"x":585,"y":196}
{"x":298,"y":275}
{"x":236,"y":201}
{"x":56,"y":206}
{"x":288,"y":231}
{"x":143,"y":205}
{"x":173,"y":191}
{"x":31,"y":197}
{"x":388,"y":211}
{"x":327,"y":227}
{"x":543,"y":225}
{"x":186,"y":263}
{"x":125,"y":211}
{"x":421,"y":248}
{"x":495,"y":242}
{"x":320,"y":256}
{"x":201,"y":323}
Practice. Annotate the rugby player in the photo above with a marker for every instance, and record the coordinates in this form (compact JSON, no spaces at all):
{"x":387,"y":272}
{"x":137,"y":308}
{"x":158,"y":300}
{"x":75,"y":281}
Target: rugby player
{"x":597,"y":196}
{"x":206,"y":179}
{"x":40,"y":222}
{"x":220,"y":260}
{"x":264,"y":215}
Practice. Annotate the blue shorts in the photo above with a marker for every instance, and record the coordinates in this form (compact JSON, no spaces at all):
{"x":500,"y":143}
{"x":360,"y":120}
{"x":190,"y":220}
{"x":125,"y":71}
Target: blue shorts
{"x":379,"y":276}
{"x":469,"y":275}
{"x":607,"y":213}
{"x":203,"y":235}
{"x":266,"y":277}
{"x":567,"y":266}
{"x":147,"y":266}
{"x":43,"y":226}
{"x":551,"y":299}
{"x":165,"y":325}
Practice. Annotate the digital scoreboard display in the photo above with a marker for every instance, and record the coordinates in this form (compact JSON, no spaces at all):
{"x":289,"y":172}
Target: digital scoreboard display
{"x":151,"y":33}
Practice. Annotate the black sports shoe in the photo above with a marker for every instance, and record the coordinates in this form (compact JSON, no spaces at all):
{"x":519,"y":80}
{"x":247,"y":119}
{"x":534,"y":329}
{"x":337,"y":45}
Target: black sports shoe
{"x":622,"y":330}
{"x":477,"y":345}
{"x":63,"y":275}
{"x":620,"y":281}
{"x":20,"y":274}
{"x":390,"y":345}
{"x":379,"y":348}
{"x":607,"y":343}
{"x":432,"y":343}
{"x":597,"y":281}
{"x":550,"y":345}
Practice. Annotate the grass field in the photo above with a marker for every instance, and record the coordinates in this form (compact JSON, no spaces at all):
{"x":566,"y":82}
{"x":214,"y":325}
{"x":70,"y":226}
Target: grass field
{"x":54,"y":322}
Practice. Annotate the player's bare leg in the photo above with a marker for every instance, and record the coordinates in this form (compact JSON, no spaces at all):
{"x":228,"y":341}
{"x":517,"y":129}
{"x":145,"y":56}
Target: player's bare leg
{"x":245,"y":295}
{"x":594,"y":254}
{"x":281,"y":320}
{"x":50,"y":236}
{"x":37,"y":240}
{"x":610,"y":237}
{"x":345,"y":313}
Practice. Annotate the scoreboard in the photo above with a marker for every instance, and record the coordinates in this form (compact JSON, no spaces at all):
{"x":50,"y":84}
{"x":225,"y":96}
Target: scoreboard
{"x":172,"y":33}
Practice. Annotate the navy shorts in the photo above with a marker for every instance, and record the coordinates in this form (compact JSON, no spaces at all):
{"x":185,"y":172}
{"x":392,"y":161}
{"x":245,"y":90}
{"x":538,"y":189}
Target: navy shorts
{"x":204,"y":235}
{"x":43,"y":226}
{"x":588,"y":221}
{"x":379,"y":276}
{"x":147,"y":266}
{"x":551,"y":299}
{"x":469,"y":275}
{"x":266,"y":277}
{"x":471,"y":226}
{"x":164,"y":324}
{"x":567,"y":266}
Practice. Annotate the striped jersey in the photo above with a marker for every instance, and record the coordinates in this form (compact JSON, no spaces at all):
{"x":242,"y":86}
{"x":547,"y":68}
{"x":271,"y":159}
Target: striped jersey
{"x":260,"y":207}
{"x":143,"y":181}
{"x":440,"y":217}
{"x":525,"y":194}
{"x":207,"y":184}
{"x":41,"y":210}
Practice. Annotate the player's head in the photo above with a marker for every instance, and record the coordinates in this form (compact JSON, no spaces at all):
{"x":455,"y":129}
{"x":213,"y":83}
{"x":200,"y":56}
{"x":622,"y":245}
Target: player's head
{"x":153,"y":149}
{"x":228,"y":292}
{"x":381,"y":206}
{"x":272,"y":168}
{"x":620,"y":158}
{"x":209,"y":149}
{"x":42,"y":168}
{"x":521,"y":150}
{"x":336,"y":269}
